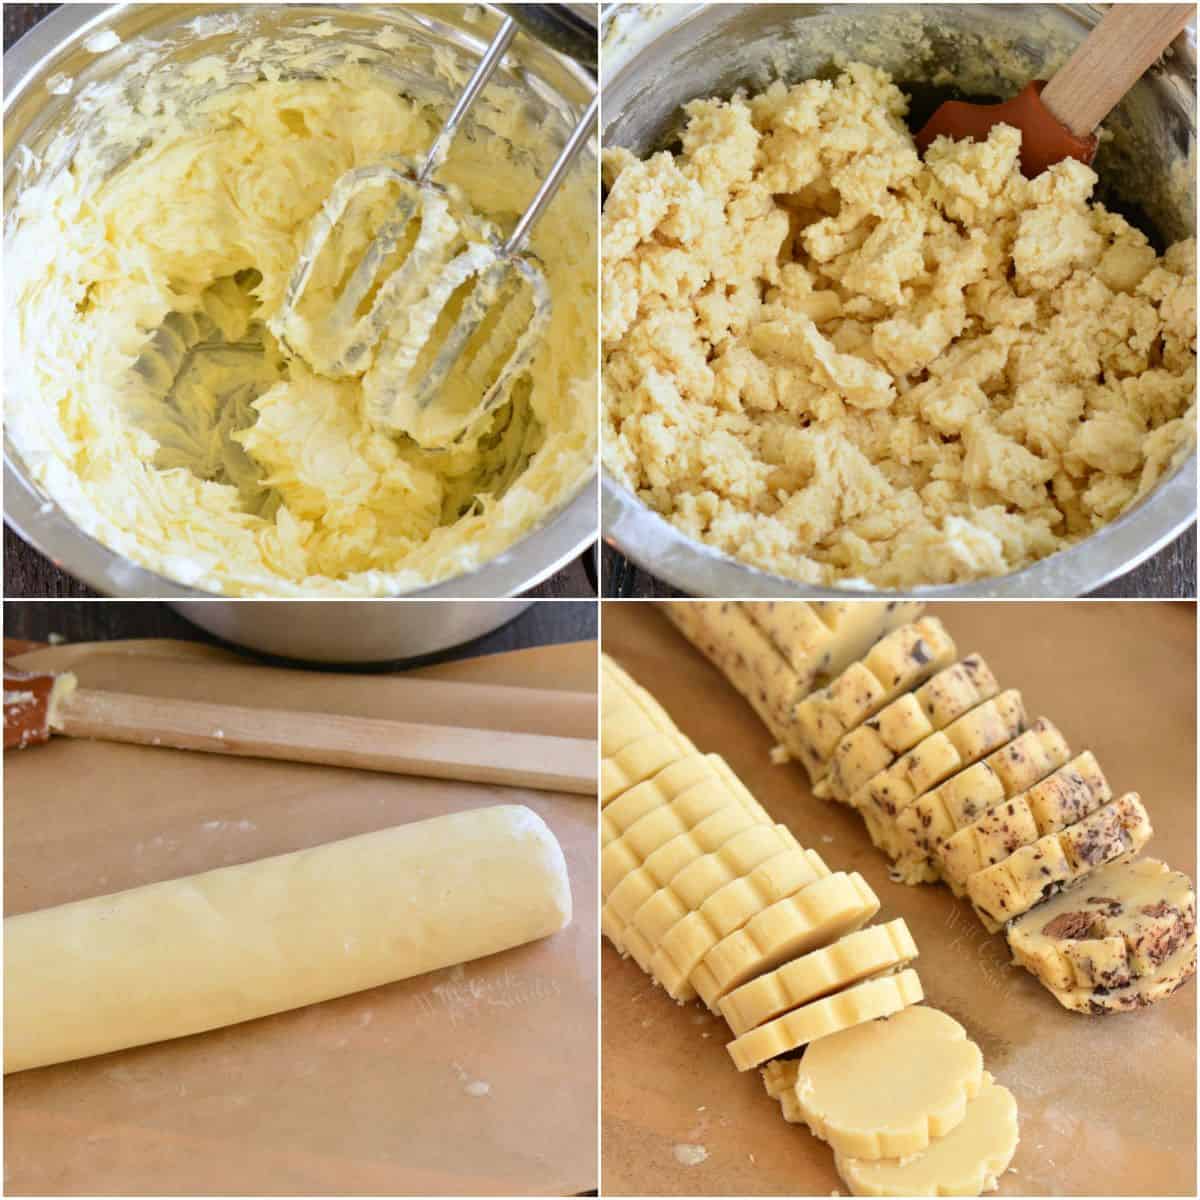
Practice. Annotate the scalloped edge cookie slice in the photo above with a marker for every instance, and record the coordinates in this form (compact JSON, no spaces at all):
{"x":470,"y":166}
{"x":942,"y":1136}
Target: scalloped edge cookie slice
{"x":875,"y":744}
{"x":708,"y":835}
{"x":618,"y":689}
{"x":1118,"y":830}
{"x":1144,"y":991}
{"x":1016,"y":766}
{"x":1121,"y":922}
{"x":639,"y":760}
{"x":660,"y":824}
{"x":661,"y":788}
{"x":1071,"y":793}
{"x":895,"y":664}
{"x":967,"y":1161}
{"x":684,"y":946}
{"x":816,"y":916}
{"x":867,"y":1001}
{"x":721,"y":896}
{"x":887,"y":1088}
{"x":857,"y":956}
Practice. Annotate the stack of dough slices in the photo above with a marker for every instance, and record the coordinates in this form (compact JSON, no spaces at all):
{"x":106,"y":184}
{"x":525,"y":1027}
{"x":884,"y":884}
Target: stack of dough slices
{"x":956,"y":783}
{"x":776,"y":652}
{"x":718,"y":903}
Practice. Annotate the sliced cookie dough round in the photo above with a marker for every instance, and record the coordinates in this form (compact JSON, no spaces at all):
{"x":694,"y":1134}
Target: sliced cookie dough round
{"x":661,"y":788}
{"x":967,"y":1161}
{"x":1121,"y":922}
{"x":1016,"y":766}
{"x":899,"y":726}
{"x":640,"y":760}
{"x":664,"y":821}
{"x":886,"y":1089}
{"x":896,"y":663}
{"x":718,"y":896}
{"x":762,"y":848}
{"x":1170,"y":975}
{"x":855,"y":1005}
{"x":640,"y":880}
{"x":815,"y":916}
{"x":1071,"y":793}
{"x":855,"y":957}
{"x":1007,"y":889}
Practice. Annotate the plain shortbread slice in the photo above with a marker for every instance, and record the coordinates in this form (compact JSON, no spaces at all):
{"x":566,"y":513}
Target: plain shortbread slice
{"x":816,"y":916}
{"x":855,"y":957}
{"x":967,"y":1161}
{"x":886,"y":1089}
{"x":863,"y":1002}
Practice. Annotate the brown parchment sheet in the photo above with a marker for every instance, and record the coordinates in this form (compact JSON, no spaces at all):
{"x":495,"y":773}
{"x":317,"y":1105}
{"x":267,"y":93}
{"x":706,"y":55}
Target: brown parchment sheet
{"x":1107,"y":1104}
{"x":366,"y":1095}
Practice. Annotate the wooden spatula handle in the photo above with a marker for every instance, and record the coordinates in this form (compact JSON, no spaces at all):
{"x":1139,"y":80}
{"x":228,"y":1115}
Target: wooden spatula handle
{"x":1113,"y":58}
{"x":559,"y":764}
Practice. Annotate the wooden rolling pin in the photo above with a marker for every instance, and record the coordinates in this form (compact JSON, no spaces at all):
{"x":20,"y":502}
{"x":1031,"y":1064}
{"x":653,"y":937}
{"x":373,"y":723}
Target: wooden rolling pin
{"x":37,"y":706}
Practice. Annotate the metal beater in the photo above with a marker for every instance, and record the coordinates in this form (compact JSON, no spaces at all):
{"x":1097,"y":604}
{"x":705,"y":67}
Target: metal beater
{"x":407,"y":375}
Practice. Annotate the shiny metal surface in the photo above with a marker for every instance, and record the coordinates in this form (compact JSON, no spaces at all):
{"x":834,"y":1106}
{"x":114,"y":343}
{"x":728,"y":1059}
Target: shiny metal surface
{"x":55,"y":46}
{"x":656,"y":58}
{"x":349,"y":631}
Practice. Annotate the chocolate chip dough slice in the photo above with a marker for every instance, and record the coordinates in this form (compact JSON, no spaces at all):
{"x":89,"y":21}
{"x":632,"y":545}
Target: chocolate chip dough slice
{"x":875,"y":744}
{"x":857,"y":956}
{"x":727,"y":637}
{"x":1061,"y":799}
{"x":1117,"y":831}
{"x":886,"y":1089}
{"x":1121,"y":922}
{"x":894,"y":665}
{"x":972,"y":737}
{"x":1145,"y":990}
{"x":1015,"y":766}
{"x":864,"y":1001}
{"x":967,"y":1161}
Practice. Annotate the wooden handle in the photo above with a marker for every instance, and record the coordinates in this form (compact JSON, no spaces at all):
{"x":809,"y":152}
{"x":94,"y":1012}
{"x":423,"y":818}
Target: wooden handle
{"x":556,"y":764}
{"x":1113,"y":58}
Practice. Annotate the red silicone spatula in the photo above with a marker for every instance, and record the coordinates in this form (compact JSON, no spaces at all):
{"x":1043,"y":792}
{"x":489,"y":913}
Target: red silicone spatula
{"x":1058,"y":119}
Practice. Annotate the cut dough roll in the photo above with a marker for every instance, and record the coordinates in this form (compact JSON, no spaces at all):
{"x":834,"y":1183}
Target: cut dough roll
{"x":187,"y":955}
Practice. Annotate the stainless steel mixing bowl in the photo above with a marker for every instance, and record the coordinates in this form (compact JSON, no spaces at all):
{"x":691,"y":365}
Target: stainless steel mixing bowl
{"x":56,"y":46}
{"x":656,"y":58}
{"x":349,"y":631}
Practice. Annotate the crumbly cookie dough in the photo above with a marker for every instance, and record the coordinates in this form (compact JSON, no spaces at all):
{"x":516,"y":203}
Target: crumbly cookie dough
{"x":834,"y":361}
{"x":148,"y":397}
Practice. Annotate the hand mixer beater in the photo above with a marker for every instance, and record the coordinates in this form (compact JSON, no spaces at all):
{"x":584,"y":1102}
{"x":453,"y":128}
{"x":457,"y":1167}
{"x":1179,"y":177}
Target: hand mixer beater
{"x":449,"y":308}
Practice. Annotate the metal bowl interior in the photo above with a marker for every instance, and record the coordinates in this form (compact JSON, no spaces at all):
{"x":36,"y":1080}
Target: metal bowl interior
{"x":33,"y":114}
{"x":654,"y":64}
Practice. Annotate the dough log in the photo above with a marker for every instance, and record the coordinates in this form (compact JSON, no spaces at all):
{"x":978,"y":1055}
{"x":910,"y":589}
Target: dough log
{"x":229,"y":945}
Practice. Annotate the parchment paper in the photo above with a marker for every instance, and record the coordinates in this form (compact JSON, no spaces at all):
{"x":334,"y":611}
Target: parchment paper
{"x":1107,"y":1104}
{"x":366,"y":1095}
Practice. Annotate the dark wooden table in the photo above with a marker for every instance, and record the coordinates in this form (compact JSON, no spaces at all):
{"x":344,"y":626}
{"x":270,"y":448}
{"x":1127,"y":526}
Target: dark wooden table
{"x":545,"y":623}
{"x":1170,"y":574}
{"x":28,"y":573}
